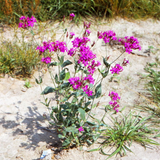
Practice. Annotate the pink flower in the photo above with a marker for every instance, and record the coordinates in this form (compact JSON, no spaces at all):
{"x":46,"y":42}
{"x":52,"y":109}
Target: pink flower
{"x":46,"y":60}
{"x":87,"y":25}
{"x":86,"y":33}
{"x":130,"y":43}
{"x":72,"y":52}
{"x":75,"y":82}
{"x":87,"y":90}
{"x":57,"y":45}
{"x":107,"y":36}
{"x":116,"y":69}
{"x":22,"y":17}
{"x":80,"y":129}
{"x":71,"y":16}
{"x":114,"y":96}
{"x":89,"y":79}
{"x":125,"y":62}
{"x":92,"y":66}
{"x":46,"y":46}
{"x":71,"y":35}
{"x":77,"y":42}
{"x":78,"y":83}
{"x":86,"y":55}
{"x":27,"y":22}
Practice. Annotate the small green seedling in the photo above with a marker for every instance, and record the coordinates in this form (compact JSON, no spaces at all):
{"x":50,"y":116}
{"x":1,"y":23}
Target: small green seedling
{"x":27,"y":84}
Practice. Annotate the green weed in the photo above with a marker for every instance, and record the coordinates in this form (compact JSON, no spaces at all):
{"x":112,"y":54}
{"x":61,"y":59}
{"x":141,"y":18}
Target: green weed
{"x":17,"y":60}
{"x":27,"y":84}
{"x":130,"y":128}
{"x":153,"y":81}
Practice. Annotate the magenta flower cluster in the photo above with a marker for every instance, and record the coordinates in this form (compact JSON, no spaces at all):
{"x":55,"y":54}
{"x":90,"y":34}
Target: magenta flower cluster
{"x":86,"y":56}
{"x":130,"y":43}
{"x":46,"y":60}
{"x":107,"y":36}
{"x":27,"y":22}
{"x":59,"y":46}
{"x":51,"y":46}
{"x":114,"y":97}
{"x":92,"y":67}
{"x":116,"y":69}
{"x":77,"y":42}
{"x":46,"y":46}
{"x":78,"y":83}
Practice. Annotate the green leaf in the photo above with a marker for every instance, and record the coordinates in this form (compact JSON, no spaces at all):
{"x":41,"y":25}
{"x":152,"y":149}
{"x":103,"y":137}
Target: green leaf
{"x":46,"y":102}
{"x":82,"y":113}
{"x":61,"y":59}
{"x":17,"y":14}
{"x":71,"y":129}
{"x":77,"y":141}
{"x":66,"y":143}
{"x":32,"y":32}
{"x":98,"y":91}
{"x":56,"y":79}
{"x":105,"y":73}
{"x":92,"y":150}
{"x":55,"y":109}
{"x":127,"y":148}
{"x":53,"y":64}
{"x":62,"y":74}
{"x":87,"y":104}
{"x":66,"y":63}
{"x":39,"y":81}
{"x":89,"y":142}
{"x":67,"y":76}
{"x":64,"y":106}
{"x":48,"y":90}
{"x":61,"y":136}
{"x":65,"y":85}
{"x":106,"y":63}
{"x":93,"y":106}
{"x":74,"y":100}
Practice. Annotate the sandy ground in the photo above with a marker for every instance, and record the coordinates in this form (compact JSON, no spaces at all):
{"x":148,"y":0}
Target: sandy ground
{"x":22,"y":136}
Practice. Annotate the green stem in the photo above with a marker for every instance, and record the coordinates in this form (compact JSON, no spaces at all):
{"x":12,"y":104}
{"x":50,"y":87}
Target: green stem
{"x":52,"y":78}
{"x":116,"y":58}
{"x":93,"y":102}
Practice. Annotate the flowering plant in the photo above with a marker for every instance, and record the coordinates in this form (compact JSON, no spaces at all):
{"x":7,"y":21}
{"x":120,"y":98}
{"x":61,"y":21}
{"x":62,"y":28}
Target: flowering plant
{"x":75,"y":94}
{"x":26,"y":22}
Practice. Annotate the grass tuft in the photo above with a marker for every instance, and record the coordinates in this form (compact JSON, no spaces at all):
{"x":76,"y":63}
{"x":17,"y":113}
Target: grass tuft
{"x":153,"y":78}
{"x":18,"y":61}
{"x":44,"y":10}
{"x":125,"y":130}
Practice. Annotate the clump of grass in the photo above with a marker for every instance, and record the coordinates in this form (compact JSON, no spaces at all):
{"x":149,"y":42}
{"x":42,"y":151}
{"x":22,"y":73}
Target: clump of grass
{"x":153,"y":78}
{"x":125,"y":130}
{"x":44,"y":10}
{"x":153,"y":112}
{"x":18,"y":60}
